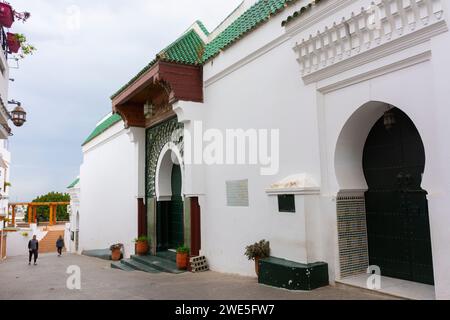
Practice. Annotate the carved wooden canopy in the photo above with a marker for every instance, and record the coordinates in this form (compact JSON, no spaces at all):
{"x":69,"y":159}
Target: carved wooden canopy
{"x":158,"y":88}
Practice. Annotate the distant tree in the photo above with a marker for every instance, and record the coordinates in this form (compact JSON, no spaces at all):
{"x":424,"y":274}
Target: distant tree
{"x":43,"y":213}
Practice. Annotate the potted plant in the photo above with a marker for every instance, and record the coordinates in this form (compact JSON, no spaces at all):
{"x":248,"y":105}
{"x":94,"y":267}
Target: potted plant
{"x":116,"y":251}
{"x":17,"y":41}
{"x":142,"y":246}
{"x":258,"y":251}
{"x":6,"y":15}
{"x":13,"y":42}
{"x":182,"y":258}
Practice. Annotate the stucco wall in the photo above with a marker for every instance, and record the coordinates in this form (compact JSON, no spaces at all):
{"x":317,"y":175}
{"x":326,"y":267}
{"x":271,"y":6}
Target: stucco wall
{"x":17,"y":243}
{"x":108,"y":210}
{"x":265,"y":93}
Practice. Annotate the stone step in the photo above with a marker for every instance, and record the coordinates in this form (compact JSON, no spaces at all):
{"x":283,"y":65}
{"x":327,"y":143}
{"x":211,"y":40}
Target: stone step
{"x":138,"y":266}
{"x":104,"y":254}
{"x":158,"y":263}
{"x":168,"y":255}
{"x":121,"y":266}
{"x":48,"y":243}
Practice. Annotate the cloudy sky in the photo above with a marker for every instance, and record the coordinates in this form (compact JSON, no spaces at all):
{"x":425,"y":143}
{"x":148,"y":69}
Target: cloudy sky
{"x":65,"y":87}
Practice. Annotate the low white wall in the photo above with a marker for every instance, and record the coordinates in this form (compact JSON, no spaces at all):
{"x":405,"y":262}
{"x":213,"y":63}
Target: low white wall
{"x":68,"y":243}
{"x":17,"y":244}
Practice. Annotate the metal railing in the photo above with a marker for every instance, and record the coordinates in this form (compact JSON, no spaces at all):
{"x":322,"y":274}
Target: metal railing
{"x":3,"y":42}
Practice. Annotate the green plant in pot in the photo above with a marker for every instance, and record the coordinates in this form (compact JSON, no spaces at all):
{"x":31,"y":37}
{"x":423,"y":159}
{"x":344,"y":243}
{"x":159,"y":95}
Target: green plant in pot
{"x":142,"y":246}
{"x":259,"y":250}
{"x":183,"y":258}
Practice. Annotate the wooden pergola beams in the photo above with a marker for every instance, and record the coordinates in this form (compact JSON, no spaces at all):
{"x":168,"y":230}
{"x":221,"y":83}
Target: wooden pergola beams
{"x":32,"y":210}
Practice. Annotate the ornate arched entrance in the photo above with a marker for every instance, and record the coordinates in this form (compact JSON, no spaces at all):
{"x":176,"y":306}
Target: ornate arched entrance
{"x":396,"y":206}
{"x":170,"y":205}
{"x":382,"y":210}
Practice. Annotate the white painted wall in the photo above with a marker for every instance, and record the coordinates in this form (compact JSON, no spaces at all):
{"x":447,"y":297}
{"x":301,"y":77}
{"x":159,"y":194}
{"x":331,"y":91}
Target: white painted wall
{"x":4,"y":77}
{"x":73,"y":226}
{"x":264,"y":92}
{"x":17,"y":243}
{"x":108,"y":210}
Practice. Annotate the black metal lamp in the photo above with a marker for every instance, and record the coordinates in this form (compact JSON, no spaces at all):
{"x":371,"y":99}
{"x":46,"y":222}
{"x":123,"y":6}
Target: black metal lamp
{"x":18,"y":115}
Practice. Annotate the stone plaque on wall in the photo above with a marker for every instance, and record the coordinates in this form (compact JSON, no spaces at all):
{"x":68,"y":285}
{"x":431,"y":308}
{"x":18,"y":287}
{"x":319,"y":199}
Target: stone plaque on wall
{"x":237,"y":193}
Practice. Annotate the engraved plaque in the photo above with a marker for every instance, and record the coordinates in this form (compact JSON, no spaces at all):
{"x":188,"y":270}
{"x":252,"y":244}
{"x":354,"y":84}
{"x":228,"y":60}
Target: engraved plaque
{"x":237,"y":193}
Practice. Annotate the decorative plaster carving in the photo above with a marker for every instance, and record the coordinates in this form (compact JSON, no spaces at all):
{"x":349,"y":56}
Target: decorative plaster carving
{"x":353,"y":41}
{"x":157,"y":138}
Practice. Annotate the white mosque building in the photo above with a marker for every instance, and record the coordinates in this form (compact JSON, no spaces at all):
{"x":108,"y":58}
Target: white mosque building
{"x":319,"y":125}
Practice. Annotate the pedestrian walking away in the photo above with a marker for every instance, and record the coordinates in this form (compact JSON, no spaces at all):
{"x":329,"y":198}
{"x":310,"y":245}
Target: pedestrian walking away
{"x":60,"y":245}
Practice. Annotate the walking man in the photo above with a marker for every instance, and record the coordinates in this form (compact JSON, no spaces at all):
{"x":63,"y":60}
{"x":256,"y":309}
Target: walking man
{"x":60,"y":245}
{"x":33,"y":248}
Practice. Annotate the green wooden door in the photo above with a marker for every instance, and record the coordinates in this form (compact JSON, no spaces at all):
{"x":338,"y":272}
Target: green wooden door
{"x":397,"y":208}
{"x":176,"y":217}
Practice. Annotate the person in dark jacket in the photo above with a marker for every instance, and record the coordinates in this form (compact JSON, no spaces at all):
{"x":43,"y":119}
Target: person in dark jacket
{"x":33,"y":248}
{"x":60,"y":245}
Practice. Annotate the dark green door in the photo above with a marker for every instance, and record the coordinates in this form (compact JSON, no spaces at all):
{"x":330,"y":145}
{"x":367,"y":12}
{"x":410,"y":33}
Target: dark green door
{"x":170,"y":216}
{"x":397,"y":208}
{"x":176,"y":217}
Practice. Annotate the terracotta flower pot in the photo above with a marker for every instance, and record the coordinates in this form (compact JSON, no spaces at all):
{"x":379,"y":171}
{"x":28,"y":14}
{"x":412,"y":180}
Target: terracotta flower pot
{"x":13,"y":42}
{"x":182,"y":261}
{"x":6,"y":15}
{"x":142,"y":248}
{"x":116,"y":254}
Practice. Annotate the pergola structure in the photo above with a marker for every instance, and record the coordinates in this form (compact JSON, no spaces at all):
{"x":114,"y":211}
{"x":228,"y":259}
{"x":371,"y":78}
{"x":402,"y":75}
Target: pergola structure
{"x":32,"y":210}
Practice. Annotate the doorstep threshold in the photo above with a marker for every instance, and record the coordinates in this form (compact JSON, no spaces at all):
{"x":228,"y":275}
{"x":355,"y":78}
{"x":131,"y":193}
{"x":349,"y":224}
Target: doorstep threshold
{"x":393,"y":287}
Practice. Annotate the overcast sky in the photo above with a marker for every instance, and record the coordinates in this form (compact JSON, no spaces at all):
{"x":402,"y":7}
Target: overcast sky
{"x":65,"y":87}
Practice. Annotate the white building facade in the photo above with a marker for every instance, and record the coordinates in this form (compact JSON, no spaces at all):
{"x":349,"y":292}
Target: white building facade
{"x":358,"y":100}
{"x":5,"y":131}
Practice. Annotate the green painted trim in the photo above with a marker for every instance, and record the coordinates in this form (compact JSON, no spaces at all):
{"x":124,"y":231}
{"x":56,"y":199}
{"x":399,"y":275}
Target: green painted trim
{"x":73,"y":184}
{"x":102,"y":127}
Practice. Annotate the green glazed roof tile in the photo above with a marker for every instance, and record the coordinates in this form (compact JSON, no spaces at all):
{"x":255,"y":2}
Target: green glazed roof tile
{"x":102,"y":127}
{"x":73,"y":184}
{"x":187,"y":49}
{"x":302,"y":11}
{"x":190,"y":49}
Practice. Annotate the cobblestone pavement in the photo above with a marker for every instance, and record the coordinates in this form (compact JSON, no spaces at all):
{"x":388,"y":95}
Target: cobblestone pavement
{"x":99,"y":282}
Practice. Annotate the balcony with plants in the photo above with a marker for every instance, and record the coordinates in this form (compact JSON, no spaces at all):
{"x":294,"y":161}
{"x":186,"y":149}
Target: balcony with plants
{"x":14,"y":46}
{"x":13,"y":43}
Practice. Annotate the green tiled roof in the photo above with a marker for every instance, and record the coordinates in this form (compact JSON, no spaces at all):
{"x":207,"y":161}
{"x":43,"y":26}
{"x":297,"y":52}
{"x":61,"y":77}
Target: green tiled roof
{"x":190,"y":49}
{"x":256,"y":15}
{"x":102,"y":127}
{"x":299,"y":13}
{"x":202,"y":26}
{"x":73,"y":184}
{"x":187,"y":49}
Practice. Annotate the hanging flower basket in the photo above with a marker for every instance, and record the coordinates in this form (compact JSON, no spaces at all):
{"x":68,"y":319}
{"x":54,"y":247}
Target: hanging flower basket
{"x":13,"y":42}
{"x":6,"y":15}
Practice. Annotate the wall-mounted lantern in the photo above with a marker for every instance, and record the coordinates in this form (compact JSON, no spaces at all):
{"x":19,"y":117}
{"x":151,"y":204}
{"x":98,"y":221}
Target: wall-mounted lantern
{"x":389,"y":119}
{"x":18,"y":115}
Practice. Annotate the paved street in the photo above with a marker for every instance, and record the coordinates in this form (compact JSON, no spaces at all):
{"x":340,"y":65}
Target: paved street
{"x":99,"y":281}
